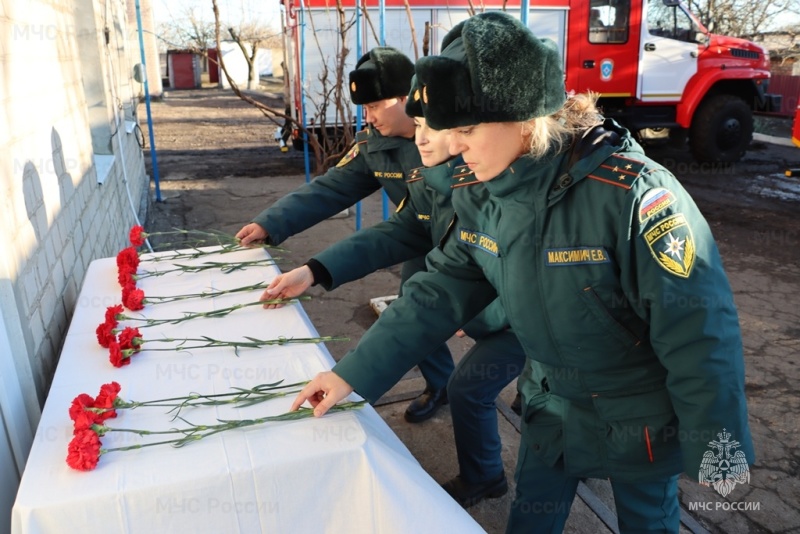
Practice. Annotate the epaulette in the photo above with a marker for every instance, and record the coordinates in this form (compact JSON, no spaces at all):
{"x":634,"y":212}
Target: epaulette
{"x":463,"y":176}
{"x":617,"y":170}
{"x":415,"y":175}
{"x":362,"y":136}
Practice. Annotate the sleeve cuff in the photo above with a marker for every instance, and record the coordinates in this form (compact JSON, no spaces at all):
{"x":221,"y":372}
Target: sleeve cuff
{"x":320,"y":273}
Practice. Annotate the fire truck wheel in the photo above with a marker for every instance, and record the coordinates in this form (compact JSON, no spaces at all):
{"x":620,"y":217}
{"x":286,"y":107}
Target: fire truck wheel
{"x":722,"y":129}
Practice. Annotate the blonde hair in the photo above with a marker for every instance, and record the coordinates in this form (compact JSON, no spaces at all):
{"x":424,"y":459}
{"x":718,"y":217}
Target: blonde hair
{"x":555,"y":133}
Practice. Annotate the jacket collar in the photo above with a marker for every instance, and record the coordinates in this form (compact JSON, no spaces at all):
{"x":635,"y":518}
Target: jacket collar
{"x":439,"y":177}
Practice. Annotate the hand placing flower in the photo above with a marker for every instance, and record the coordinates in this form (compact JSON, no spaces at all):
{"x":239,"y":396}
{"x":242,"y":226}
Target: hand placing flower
{"x":90,"y":415}
{"x":191,"y":239}
{"x":222,"y":312}
{"x":135,"y":299}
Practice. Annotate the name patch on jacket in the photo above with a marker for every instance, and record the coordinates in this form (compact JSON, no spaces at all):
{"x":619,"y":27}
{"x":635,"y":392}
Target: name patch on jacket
{"x":556,"y":257}
{"x":478,"y":240}
{"x":388,"y":174}
{"x":671,"y":243}
{"x":423,"y":217}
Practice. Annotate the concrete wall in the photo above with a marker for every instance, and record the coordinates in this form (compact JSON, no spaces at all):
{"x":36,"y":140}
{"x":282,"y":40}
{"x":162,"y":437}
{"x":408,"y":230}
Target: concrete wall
{"x":66,"y":97}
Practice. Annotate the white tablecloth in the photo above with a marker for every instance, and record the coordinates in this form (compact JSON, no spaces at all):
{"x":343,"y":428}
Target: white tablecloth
{"x":342,"y":473}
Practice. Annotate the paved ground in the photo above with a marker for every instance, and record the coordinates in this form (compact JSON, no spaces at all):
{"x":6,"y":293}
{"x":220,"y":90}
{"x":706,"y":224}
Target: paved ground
{"x":219,"y":166}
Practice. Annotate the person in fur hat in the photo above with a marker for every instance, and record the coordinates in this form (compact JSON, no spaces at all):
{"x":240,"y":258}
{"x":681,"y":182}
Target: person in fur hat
{"x":383,"y":156}
{"x":493,"y":362}
{"x":610,"y":278}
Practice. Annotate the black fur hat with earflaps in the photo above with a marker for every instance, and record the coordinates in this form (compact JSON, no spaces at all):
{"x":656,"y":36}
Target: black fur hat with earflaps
{"x":414,"y":102}
{"x":383,"y":72}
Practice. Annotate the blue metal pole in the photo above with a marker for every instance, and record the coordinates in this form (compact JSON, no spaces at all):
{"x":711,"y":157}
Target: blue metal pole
{"x":302,"y":26}
{"x":153,"y":157}
{"x":382,"y":17}
{"x":358,"y":107}
{"x":524,"y":8}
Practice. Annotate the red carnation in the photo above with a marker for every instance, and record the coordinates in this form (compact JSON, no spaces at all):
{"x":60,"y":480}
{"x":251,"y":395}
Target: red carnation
{"x":129,"y":257}
{"x":137,"y":236}
{"x":125,"y":276}
{"x":126,"y":289}
{"x":134,"y":299}
{"x":130,"y":338}
{"x":112,"y":312}
{"x":105,"y":334}
{"x":83,"y":452}
{"x":79,"y":414}
{"x":116,"y":356}
{"x":105,"y":399}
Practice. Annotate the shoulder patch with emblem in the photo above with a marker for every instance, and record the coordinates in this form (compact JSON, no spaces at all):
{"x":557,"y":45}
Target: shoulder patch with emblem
{"x":672,"y":245}
{"x":350,"y":156}
{"x":617,"y":170}
{"x":654,"y":202}
{"x":462,"y":175}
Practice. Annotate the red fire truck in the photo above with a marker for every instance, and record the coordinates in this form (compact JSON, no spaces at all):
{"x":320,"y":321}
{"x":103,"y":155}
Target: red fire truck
{"x":652,"y":63}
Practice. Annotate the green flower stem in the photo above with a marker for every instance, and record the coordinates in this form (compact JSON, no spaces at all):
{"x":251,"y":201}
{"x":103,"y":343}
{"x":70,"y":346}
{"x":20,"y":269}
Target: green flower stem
{"x":222,"y":266}
{"x":239,"y":393}
{"x":202,"y":238}
{"x":225,"y":249}
{"x":222,"y":312}
{"x":198,"y":432}
{"x":209,"y":342}
{"x":205,"y":294}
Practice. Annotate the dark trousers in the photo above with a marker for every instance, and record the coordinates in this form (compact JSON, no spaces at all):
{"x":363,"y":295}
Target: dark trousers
{"x":544,"y":496}
{"x":438,"y":366}
{"x":480,"y":376}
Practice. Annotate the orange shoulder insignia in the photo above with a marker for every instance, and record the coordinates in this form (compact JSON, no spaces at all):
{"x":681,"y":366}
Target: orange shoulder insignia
{"x":362,"y":136}
{"x":463,"y":176}
{"x":415,"y":175}
{"x":618,"y":170}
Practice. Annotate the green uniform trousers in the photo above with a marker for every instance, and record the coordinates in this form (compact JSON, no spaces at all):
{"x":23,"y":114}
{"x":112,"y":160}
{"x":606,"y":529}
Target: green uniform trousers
{"x":544,"y":496}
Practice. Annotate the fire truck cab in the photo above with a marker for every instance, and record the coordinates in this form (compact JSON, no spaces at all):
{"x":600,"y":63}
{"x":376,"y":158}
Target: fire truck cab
{"x":651,"y":62}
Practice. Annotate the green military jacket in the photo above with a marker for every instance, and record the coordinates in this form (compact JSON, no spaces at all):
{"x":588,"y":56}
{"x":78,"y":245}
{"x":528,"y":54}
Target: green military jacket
{"x":372,"y":162}
{"x":613,"y":283}
{"x":420,"y":222}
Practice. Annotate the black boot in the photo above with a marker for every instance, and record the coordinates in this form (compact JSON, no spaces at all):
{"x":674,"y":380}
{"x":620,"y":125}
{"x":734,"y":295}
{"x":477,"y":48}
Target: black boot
{"x":516,"y":405}
{"x":471,"y":494}
{"x":424,"y":406}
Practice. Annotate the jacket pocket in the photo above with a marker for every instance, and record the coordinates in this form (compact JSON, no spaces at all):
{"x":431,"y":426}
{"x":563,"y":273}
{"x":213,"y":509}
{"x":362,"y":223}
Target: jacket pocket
{"x":603,"y":316}
{"x":641,"y":428}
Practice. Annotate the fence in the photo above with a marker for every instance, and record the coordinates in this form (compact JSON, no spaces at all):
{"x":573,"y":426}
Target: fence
{"x":789,"y":87}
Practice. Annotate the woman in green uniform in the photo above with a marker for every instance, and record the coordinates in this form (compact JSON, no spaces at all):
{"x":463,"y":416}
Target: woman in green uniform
{"x":608,"y":273}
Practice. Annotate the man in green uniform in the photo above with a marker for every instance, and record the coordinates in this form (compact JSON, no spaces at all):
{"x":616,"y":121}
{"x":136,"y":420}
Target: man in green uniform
{"x":383,"y":155}
{"x":610,"y":278}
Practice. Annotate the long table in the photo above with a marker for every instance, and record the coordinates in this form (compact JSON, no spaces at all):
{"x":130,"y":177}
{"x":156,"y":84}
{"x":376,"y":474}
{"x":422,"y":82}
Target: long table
{"x":342,"y":473}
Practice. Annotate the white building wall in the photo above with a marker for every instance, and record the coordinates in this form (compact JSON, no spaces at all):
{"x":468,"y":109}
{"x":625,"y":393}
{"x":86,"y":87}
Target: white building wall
{"x":65,"y":94}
